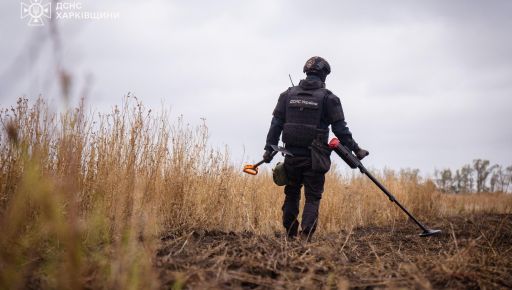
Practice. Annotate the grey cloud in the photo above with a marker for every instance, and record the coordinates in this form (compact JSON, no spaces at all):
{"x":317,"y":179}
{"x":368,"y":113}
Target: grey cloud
{"x":424,"y":83}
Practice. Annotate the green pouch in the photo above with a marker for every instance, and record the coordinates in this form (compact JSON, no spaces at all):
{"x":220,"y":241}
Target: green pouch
{"x":279,"y":174}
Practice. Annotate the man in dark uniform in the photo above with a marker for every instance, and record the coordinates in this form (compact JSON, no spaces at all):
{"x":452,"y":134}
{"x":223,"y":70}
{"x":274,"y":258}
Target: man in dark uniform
{"x":303,"y":114}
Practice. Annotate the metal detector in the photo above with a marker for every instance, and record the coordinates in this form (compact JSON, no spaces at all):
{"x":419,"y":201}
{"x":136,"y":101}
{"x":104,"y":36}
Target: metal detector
{"x":252,"y":169}
{"x":354,"y":163}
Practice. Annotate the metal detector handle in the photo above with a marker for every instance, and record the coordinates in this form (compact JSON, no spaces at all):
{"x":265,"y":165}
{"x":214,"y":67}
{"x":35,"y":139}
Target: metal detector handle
{"x":271,"y":155}
{"x":345,"y":153}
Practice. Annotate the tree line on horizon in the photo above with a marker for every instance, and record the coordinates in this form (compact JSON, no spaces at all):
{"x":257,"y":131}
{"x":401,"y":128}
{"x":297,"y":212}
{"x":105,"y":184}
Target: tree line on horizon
{"x":480,"y":176}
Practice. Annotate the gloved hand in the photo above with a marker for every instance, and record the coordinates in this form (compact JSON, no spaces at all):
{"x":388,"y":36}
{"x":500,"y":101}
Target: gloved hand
{"x":267,"y":156}
{"x":361,"y":153}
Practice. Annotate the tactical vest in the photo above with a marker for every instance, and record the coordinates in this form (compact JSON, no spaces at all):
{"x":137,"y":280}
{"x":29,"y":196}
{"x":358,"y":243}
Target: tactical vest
{"x":304,"y":109}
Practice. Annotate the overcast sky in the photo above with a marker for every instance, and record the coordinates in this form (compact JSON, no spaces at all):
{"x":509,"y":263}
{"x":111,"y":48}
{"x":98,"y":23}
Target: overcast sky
{"x":424,"y":84}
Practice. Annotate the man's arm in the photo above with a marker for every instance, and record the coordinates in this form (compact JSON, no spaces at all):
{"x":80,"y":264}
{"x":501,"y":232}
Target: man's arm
{"x":336,"y":118}
{"x":342,"y":132}
{"x":276,"y":126}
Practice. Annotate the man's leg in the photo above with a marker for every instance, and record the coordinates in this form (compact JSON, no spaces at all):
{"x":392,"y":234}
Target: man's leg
{"x":313,"y":187}
{"x":291,"y":209}
{"x":292,"y":196}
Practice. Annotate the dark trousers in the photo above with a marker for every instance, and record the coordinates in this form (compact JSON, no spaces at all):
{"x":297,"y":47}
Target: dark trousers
{"x":300,"y":173}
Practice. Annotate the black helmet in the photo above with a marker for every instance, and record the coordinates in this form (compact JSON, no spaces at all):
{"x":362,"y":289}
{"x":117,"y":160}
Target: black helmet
{"x":317,"y":65}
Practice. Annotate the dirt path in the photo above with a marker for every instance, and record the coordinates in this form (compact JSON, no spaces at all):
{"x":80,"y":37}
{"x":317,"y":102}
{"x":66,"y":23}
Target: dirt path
{"x":473,"y":252}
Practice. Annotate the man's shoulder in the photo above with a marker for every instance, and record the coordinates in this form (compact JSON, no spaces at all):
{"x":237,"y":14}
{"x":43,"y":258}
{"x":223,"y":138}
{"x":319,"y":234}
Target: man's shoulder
{"x":332,"y":99}
{"x":329,"y":93}
{"x":286,"y":92}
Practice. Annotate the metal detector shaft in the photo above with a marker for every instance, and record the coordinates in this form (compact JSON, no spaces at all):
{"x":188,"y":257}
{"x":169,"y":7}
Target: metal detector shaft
{"x":390,"y":196}
{"x":354,"y":163}
{"x":263,"y":161}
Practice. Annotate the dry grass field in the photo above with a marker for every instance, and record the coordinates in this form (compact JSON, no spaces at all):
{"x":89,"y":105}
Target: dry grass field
{"x":134,"y":200}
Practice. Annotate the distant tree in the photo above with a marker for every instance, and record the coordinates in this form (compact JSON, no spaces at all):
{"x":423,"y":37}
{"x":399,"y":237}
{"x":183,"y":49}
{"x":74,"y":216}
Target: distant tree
{"x":467,"y":179}
{"x":457,"y":182}
{"x":508,"y":179}
{"x":482,"y":170}
{"x":463,"y":180}
{"x":478,"y":177}
{"x":494,"y":182}
{"x":498,"y":179}
{"x":410,"y":175}
{"x":501,"y":178}
{"x":444,"y":180}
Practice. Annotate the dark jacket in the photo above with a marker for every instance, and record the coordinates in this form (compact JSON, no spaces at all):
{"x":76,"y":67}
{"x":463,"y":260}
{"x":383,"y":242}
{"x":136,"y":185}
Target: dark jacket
{"x":332,"y":115}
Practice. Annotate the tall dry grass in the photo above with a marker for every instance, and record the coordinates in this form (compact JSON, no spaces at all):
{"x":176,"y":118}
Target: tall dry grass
{"x":85,"y":197}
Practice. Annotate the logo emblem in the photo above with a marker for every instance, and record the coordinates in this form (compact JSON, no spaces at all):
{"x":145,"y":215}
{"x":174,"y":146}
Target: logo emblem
{"x":37,"y":11}
{"x":310,"y":62}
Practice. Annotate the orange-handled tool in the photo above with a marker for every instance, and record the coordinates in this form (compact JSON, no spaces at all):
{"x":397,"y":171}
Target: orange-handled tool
{"x":252,"y":169}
